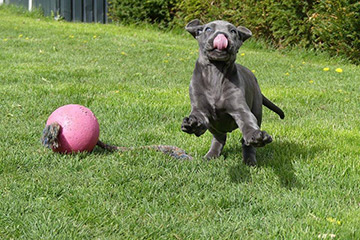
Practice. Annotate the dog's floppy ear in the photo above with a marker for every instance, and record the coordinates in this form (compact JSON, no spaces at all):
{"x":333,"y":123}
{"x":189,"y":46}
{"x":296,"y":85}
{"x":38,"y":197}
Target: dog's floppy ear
{"x":194,"y":27}
{"x":244,"y":33}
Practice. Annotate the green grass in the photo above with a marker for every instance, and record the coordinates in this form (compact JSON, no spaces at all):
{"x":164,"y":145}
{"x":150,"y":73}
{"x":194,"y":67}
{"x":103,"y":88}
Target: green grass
{"x":136,"y":80}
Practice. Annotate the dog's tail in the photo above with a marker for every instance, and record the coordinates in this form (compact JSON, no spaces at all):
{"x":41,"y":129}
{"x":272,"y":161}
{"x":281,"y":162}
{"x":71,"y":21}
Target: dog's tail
{"x":270,"y":105}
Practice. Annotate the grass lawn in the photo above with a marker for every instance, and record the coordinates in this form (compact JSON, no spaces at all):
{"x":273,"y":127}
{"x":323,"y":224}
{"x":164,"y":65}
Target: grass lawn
{"x":135,"y":80}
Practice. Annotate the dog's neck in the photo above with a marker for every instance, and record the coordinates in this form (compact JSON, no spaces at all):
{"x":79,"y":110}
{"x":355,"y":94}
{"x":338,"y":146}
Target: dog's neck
{"x":224,"y":67}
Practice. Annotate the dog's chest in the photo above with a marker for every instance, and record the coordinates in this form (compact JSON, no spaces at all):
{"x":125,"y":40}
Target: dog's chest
{"x":219,"y":96}
{"x":219,"y":93}
{"x":214,"y":94}
{"x":220,"y":119}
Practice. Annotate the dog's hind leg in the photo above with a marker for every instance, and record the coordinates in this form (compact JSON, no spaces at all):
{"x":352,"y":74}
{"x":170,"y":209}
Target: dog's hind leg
{"x":217,"y":145}
{"x":249,"y":154}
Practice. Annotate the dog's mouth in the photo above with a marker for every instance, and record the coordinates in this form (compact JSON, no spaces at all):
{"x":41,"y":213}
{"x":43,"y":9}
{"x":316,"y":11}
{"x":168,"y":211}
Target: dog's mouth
{"x":220,"y":42}
{"x":219,"y":49}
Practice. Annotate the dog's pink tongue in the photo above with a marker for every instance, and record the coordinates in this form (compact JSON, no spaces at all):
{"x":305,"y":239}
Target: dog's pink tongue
{"x":220,"y":42}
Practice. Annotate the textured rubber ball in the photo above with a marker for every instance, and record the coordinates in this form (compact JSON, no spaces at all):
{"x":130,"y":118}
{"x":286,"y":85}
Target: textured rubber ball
{"x":76,"y":129}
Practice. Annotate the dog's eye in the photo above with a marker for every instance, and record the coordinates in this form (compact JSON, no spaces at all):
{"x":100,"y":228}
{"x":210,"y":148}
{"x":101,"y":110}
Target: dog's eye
{"x":233,"y":31}
{"x":208,"y":29}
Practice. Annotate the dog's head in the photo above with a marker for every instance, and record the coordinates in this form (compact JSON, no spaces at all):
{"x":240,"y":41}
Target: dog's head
{"x":218,"y":40}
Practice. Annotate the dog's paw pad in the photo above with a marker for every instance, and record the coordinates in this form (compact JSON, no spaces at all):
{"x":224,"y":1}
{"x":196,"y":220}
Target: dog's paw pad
{"x":192,"y":124}
{"x":187,"y":125}
{"x":259,"y":139}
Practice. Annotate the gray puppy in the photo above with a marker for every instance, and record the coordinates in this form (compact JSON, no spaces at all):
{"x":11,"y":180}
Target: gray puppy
{"x":225,"y":95}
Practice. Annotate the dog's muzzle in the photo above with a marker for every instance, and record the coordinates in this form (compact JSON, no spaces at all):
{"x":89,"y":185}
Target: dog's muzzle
{"x":220,"y":42}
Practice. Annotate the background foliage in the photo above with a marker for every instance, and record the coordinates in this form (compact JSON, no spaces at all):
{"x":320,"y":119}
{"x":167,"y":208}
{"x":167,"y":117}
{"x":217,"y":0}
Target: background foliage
{"x":329,"y":25}
{"x":151,"y":11}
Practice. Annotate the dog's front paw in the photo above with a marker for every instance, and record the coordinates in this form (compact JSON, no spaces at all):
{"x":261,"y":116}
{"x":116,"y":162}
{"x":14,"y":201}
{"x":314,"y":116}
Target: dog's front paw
{"x":258,"y":139}
{"x":194,"y":125}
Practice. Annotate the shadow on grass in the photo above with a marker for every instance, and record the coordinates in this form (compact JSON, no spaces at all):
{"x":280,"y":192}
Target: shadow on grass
{"x":101,"y":151}
{"x":280,"y":157}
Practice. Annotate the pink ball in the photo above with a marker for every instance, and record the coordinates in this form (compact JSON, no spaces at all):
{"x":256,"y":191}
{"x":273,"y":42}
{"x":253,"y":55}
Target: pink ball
{"x":79,"y":128}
